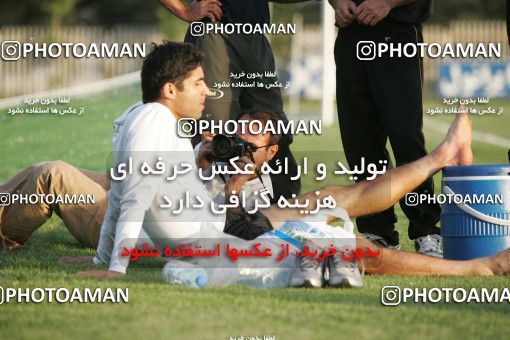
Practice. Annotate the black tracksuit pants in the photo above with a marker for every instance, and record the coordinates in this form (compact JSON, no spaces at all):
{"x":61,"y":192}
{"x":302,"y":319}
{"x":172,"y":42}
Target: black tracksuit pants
{"x":381,"y":99}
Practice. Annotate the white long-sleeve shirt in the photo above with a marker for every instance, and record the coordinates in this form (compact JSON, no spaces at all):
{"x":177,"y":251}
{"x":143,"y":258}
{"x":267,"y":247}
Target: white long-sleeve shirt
{"x":143,"y":133}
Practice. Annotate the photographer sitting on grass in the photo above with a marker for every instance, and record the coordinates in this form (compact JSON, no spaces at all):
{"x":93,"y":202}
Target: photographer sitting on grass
{"x":255,"y":149}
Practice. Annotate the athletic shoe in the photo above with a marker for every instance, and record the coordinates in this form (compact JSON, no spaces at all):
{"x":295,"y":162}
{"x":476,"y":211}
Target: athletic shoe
{"x":343,"y":274}
{"x":310,"y":272}
{"x":380,"y":241}
{"x":429,"y":245}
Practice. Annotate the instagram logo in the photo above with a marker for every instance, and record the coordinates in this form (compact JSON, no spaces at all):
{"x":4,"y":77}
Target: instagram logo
{"x":187,"y":127}
{"x":5,"y":199}
{"x":197,"y":28}
{"x":390,"y":295}
{"x":366,"y":50}
{"x":411,"y":199}
{"x":11,"y":50}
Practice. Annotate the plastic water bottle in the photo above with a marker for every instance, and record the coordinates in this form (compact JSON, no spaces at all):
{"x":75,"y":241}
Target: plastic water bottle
{"x":184,"y":273}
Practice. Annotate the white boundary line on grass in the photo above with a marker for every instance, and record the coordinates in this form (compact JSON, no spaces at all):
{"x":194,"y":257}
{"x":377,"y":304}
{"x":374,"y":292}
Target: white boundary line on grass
{"x":77,"y":90}
{"x":478,"y":136}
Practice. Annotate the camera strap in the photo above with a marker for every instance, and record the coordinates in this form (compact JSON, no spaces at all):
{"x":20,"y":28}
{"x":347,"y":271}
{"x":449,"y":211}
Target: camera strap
{"x":257,"y":172}
{"x":259,"y":176}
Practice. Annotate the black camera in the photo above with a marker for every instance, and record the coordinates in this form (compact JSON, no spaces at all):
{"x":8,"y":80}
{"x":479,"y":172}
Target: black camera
{"x":225,"y":147}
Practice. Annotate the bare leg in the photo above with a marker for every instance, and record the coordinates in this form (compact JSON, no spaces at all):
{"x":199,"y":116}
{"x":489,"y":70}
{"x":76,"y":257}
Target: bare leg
{"x":391,"y":262}
{"x":369,"y":197}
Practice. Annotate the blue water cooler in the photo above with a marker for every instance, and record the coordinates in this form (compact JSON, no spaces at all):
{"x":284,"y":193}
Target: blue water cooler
{"x":475,"y":219}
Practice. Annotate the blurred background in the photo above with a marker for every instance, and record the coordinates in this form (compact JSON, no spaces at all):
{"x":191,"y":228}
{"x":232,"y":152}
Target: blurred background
{"x":299,"y":57}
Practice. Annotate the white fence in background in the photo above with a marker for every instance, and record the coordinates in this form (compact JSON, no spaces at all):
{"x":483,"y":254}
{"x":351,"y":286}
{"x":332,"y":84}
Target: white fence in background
{"x":464,"y":31}
{"x":308,"y":68}
{"x":308,"y":65}
{"x":31,"y":75}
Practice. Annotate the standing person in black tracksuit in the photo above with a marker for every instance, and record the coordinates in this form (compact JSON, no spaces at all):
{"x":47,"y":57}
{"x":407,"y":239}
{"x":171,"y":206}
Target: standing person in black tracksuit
{"x":236,"y":53}
{"x":381,"y":99}
{"x":508,"y":20}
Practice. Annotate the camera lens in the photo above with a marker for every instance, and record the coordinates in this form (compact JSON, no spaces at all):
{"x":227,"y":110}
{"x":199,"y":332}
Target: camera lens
{"x":222,"y":147}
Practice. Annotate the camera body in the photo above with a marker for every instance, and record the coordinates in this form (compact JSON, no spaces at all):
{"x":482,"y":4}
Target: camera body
{"x":225,"y":147}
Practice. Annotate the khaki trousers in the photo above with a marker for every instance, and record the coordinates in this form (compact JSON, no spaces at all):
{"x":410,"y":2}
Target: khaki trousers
{"x":19,"y":220}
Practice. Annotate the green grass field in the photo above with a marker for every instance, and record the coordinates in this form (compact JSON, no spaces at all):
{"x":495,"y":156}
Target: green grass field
{"x":156,"y":309}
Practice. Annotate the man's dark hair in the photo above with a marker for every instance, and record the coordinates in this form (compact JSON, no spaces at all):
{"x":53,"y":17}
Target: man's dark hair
{"x":264,"y":116}
{"x":169,"y":62}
